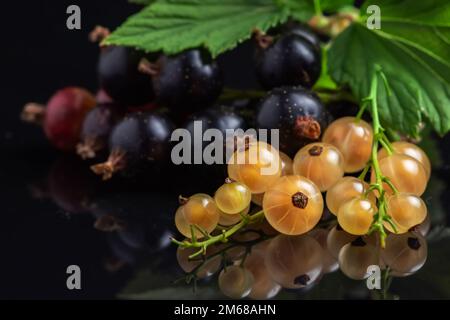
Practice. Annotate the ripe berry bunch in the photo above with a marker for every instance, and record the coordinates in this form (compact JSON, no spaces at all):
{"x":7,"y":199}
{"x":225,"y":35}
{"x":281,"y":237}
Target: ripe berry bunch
{"x":292,"y":201}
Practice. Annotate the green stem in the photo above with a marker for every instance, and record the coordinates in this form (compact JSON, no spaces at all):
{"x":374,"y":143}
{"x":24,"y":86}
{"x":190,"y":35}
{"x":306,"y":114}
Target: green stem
{"x":223,"y":237}
{"x":317,"y":8}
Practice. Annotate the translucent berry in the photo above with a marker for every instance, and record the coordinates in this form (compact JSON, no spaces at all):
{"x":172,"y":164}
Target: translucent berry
{"x":406,"y":211}
{"x":322,"y":163}
{"x":337,"y":238}
{"x":199,"y":210}
{"x":264,"y":287}
{"x":405,"y":253}
{"x":235,"y":282}
{"x":356,"y":215}
{"x":188,"y":265}
{"x":257,"y":198}
{"x":330,"y":263}
{"x":353,"y":138}
{"x":344,"y":190}
{"x":227,"y":220}
{"x":257,"y":165}
{"x":293,"y":205}
{"x":355,"y":258}
{"x":294,"y":262}
{"x":286,"y":164}
{"x":232,"y":197}
{"x":405,"y":173}
{"x":411,"y":150}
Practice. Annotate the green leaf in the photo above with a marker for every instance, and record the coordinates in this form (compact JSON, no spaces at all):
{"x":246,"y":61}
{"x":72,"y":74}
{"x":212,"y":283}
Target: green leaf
{"x":417,"y":70}
{"x":218,"y":25}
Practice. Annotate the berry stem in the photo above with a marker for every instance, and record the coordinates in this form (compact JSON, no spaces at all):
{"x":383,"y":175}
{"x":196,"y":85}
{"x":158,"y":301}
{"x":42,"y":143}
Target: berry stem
{"x":379,"y":138}
{"x":223,"y":237}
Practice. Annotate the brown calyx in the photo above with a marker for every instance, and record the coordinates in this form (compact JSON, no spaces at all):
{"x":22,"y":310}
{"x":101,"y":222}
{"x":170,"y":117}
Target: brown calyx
{"x":358,"y":242}
{"x":263,"y":40}
{"x":302,"y":280}
{"x":148,"y":68}
{"x":109,"y":223}
{"x":89,"y":147}
{"x":182,"y":200}
{"x":116,"y":162}
{"x":33,"y":113}
{"x":229,"y":180}
{"x":300,"y":200}
{"x":113,"y":264}
{"x":307,"y":127}
{"x":315,"y":151}
{"x":99,"y":34}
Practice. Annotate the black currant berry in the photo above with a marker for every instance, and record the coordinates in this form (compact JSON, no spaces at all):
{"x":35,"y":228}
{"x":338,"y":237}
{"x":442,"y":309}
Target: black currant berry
{"x":96,"y":129}
{"x":120,"y":78}
{"x":289,"y":60}
{"x":306,"y":33}
{"x":297,"y":113}
{"x":188,"y":81}
{"x":137,"y":141}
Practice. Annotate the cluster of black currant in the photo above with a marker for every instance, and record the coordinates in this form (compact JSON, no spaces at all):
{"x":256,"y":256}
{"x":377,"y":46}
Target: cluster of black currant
{"x":144,"y":97}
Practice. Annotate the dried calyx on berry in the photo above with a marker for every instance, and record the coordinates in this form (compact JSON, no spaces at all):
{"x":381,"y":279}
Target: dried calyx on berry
{"x":298,"y":114}
{"x":96,"y":129}
{"x":138,"y":141}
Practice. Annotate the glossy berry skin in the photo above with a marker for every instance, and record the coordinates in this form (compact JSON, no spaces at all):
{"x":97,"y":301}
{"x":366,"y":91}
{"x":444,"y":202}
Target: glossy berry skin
{"x":137,"y":141}
{"x":405,"y":253}
{"x":286,"y":164}
{"x":201,"y":210}
{"x":356,"y":257}
{"x":411,"y":150}
{"x":306,"y":33}
{"x":297,"y":113}
{"x":235,"y":282}
{"x":291,"y":60}
{"x":227,"y":220}
{"x":233,"y":197}
{"x":188,"y":265}
{"x":293,"y":205}
{"x":258,"y":166}
{"x":322,"y":163}
{"x":406,"y":211}
{"x":338,"y":238}
{"x":405,"y":173}
{"x":96,"y":129}
{"x":294,"y":262}
{"x":353,"y":138}
{"x":356,"y":215}
{"x":221,"y":118}
{"x":120,"y":78}
{"x":344,"y":190}
{"x":188,"y":81}
{"x":64,"y":115}
{"x":264,"y":287}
